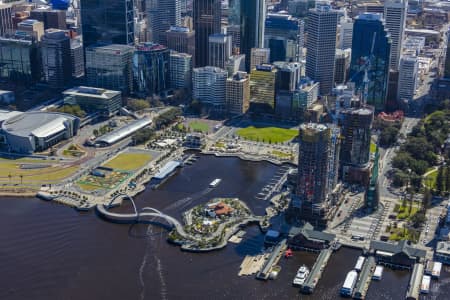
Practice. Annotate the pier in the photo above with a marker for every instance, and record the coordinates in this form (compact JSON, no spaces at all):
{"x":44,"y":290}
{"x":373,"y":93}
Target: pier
{"x":414,"y":283}
{"x":365,"y":277}
{"x":316,"y":271}
{"x":273,"y":260}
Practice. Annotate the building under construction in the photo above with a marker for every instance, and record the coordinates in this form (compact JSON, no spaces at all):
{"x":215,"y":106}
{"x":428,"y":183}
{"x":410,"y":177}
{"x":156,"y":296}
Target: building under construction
{"x":355,"y":147}
{"x":317,"y":164}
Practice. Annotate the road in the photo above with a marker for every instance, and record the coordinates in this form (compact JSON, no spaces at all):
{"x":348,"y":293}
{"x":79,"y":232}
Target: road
{"x":386,"y":156}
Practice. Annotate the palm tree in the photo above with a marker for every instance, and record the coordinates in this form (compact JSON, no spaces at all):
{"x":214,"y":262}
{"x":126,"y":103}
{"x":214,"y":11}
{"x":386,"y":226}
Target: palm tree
{"x":9,"y":176}
{"x":21,"y":178}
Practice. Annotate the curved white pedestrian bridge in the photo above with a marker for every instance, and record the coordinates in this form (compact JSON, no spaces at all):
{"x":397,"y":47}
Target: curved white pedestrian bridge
{"x":146,"y":215}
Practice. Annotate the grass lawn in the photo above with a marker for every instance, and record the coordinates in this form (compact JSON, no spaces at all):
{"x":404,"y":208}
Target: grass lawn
{"x":403,"y":211}
{"x":128,"y":161}
{"x":88,"y":187}
{"x":398,"y":234}
{"x":267,"y":134}
{"x":199,"y":126}
{"x":220,"y":145}
{"x":430,"y":180}
{"x":281,"y":154}
{"x":373,"y":147}
{"x":43,"y":175}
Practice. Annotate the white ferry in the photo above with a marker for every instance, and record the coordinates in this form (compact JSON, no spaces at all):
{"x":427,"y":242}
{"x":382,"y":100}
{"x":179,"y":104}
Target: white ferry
{"x":349,"y":284}
{"x":378,"y":273}
{"x":360,"y":263}
{"x":425,"y":285}
{"x":215,"y":182}
{"x":301,"y":276}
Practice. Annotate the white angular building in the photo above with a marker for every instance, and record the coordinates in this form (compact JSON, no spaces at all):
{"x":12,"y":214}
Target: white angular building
{"x":209,"y":86}
{"x":407,"y":78}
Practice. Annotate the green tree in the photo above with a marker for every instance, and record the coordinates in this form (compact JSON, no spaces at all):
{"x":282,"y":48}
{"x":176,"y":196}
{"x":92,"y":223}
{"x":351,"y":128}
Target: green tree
{"x":440,"y":180}
{"x":426,"y":200}
{"x":137,"y":104}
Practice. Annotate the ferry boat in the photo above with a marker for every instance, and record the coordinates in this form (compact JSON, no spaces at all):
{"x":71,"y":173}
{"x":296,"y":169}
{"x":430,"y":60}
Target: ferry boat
{"x":425,"y":285}
{"x":378,"y":273}
{"x":215,"y":182}
{"x":360,"y":263}
{"x":301,"y":276}
{"x":349,"y":284}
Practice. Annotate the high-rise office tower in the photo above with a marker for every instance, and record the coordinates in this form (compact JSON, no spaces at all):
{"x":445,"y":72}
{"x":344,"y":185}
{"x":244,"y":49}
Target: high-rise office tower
{"x":219,"y":49}
{"x":407,"y":77}
{"x":342,"y":64}
{"x":283,"y":35}
{"x":180,"y":70}
{"x":110,"y":67}
{"x":56,"y":61}
{"x":259,"y":56}
{"x":253,"y":13}
{"x":107,"y":22}
{"x":395,"y":18}
{"x":345,"y":33}
{"x":262,"y":87}
{"x":77,"y":57}
{"x":370,"y":35}
{"x":34,"y":27}
{"x":20,"y":60}
{"x":321,"y":45}
{"x":161,"y":15}
{"x":288,"y":75}
{"x":6,"y":13}
{"x":235,"y":32}
{"x":238,"y":93}
{"x":207,"y":20}
{"x":208,"y":86}
{"x":312,"y":183}
{"x":356,"y":136}
{"x":151,"y":69}
{"x":180,"y":39}
{"x":51,"y":18}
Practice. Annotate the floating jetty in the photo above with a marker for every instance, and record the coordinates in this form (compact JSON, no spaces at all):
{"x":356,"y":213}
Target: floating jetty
{"x":272,"y":261}
{"x":252,"y":264}
{"x":316,"y":271}
{"x":415,"y":282}
{"x":365,"y":276}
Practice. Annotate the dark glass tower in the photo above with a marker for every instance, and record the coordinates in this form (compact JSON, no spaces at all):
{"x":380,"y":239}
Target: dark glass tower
{"x":369,"y":29}
{"x":207,"y":18}
{"x":107,"y":22}
{"x":151,"y":69}
{"x":252,"y":27}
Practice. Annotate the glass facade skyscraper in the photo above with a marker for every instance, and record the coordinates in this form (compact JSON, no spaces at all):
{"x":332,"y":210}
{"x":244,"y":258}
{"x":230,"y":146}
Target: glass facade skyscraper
{"x":151,"y":69}
{"x":109,"y":67}
{"x":19,"y":61}
{"x":207,"y":18}
{"x":253,"y":13}
{"x":107,"y":22}
{"x":283,"y":35}
{"x":369,"y":28}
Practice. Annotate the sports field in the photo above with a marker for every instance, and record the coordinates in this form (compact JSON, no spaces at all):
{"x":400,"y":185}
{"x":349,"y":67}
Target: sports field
{"x":128,"y":161}
{"x":199,"y":126}
{"x":267,"y":134}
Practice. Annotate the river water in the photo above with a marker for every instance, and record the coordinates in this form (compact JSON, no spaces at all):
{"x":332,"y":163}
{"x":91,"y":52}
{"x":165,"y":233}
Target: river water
{"x":49,"y":251}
